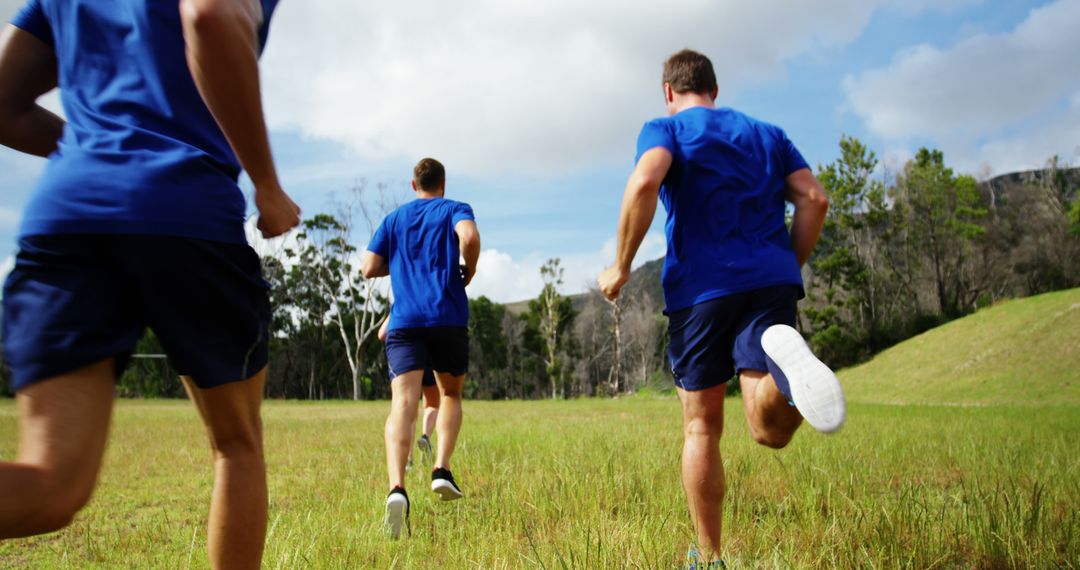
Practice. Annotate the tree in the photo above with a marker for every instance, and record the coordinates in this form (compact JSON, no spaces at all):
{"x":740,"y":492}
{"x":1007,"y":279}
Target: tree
{"x":325,"y":282}
{"x":942,"y":212}
{"x":488,"y":358}
{"x":547,"y":323}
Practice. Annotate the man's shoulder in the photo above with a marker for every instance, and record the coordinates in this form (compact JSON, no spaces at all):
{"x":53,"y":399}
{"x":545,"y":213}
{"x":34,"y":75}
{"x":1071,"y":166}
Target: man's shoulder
{"x":749,"y":122}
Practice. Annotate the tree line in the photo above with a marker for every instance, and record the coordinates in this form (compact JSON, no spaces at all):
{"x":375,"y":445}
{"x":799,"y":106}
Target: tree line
{"x":901,"y":252}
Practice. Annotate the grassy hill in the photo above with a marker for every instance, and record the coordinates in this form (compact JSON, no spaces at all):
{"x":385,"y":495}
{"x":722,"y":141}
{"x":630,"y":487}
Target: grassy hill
{"x":1025,"y":351}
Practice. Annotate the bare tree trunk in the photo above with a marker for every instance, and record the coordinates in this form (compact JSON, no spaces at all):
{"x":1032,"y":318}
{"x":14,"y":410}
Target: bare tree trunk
{"x":615,"y":376}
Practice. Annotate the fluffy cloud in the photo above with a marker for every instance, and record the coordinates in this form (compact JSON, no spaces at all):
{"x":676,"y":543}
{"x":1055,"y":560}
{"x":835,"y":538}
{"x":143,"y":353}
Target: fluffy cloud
{"x":540,"y":87}
{"x":504,"y":279}
{"x":997,"y":98}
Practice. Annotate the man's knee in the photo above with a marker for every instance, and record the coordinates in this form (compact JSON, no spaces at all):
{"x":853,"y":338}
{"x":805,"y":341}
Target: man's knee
{"x":61,"y":498}
{"x":708,"y":423}
{"x":772,"y":439}
{"x":238,"y":442}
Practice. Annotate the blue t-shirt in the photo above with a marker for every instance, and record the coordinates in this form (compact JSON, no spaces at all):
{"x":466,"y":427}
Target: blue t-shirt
{"x":420,"y":245}
{"x":140,"y":153}
{"x":724,"y":197}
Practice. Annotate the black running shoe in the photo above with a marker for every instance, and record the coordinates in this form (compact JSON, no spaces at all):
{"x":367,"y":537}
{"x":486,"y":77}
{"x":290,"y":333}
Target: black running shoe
{"x":397,"y":512}
{"x":442,"y":482}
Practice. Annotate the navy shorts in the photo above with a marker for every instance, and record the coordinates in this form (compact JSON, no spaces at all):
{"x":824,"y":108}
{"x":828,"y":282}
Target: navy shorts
{"x":711,"y":341}
{"x":439,"y":349}
{"x":73,"y":300}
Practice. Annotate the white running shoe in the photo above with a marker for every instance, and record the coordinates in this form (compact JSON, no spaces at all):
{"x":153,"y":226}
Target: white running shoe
{"x":397,"y":512}
{"x":814,"y":388}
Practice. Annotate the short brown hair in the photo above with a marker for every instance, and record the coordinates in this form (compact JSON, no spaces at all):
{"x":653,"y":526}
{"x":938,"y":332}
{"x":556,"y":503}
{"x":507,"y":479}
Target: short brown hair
{"x":429,"y":174}
{"x":690,"y":72}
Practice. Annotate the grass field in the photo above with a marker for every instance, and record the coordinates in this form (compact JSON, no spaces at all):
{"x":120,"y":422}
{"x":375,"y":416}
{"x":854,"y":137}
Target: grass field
{"x":594,"y":484}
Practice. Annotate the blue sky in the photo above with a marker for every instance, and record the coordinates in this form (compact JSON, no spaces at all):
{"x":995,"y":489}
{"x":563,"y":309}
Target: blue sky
{"x":535,"y":106}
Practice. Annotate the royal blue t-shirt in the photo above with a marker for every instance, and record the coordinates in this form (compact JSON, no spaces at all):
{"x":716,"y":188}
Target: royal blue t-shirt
{"x":420,"y":245}
{"x":140,"y":153}
{"x":724,"y":197}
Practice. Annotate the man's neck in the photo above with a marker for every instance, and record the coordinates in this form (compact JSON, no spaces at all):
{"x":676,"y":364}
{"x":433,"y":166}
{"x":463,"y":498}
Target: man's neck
{"x":684,"y":101}
{"x":424,"y":195}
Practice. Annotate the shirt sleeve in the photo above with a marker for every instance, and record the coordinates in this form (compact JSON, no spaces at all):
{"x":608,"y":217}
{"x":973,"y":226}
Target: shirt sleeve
{"x":792,"y":159}
{"x":31,"y":18}
{"x":655,"y":134}
{"x":462,"y":212}
{"x":380,"y":242}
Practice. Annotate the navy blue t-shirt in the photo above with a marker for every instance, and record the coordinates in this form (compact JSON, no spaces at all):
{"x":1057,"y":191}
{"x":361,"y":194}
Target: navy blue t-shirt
{"x":724,"y":197}
{"x":420,"y":245}
{"x":140,"y":153}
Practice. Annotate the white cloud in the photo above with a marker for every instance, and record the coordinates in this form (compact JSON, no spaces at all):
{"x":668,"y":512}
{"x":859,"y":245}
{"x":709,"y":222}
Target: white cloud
{"x":543,"y":87}
{"x":504,"y":279}
{"x":985,"y":98}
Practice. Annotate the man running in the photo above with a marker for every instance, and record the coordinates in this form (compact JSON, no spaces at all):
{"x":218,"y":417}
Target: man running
{"x":431,"y":404}
{"x":731,"y":276}
{"x":418,"y":245}
{"x":138,"y":221}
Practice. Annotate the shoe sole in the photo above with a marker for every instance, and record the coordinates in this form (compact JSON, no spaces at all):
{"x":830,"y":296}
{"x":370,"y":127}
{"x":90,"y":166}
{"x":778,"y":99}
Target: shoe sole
{"x":397,"y":511}
{"x":815,"y":390}
{"x":446,"y":490}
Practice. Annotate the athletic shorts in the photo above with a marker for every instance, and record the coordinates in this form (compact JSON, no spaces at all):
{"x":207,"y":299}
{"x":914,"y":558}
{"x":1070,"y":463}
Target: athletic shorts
{"x":440,"y":349}
{"x":429,"y":378}
{"x":73,"y":300}
{"x":711,"y":341}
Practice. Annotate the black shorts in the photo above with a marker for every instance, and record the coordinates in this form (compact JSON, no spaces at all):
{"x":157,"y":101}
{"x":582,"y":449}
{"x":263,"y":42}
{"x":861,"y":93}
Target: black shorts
{"x":713,"y":340}
{"x":73,"y":300}
{"x":440,"y":349}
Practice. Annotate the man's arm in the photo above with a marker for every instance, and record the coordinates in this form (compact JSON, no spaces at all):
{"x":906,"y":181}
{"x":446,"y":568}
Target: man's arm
{"x":374,"y":265}
{"x":469,"y":243}
{"x":638,"y":209}
{"x":805,"y":192}
{"x":27,"y":71}
{"x":223,"y":55}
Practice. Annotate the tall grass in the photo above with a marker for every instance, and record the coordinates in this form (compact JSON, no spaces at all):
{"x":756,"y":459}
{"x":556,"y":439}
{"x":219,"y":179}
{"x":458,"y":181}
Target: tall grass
{"x":595,"y":484}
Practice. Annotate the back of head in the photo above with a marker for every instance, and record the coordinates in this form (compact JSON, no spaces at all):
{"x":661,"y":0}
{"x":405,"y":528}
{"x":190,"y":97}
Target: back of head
{"x":429,"y":175}
{"x":690,"y":72}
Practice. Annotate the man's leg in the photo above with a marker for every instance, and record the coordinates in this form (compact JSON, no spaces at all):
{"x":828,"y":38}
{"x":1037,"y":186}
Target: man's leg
{"x":773,"y":421}
{"x":431,"y":408}
{"x":702,"y":468}
{"x":63,"y":427}
{"x":237,"y":526}
{"x":449,"y":417}
{"x":401,"y":424}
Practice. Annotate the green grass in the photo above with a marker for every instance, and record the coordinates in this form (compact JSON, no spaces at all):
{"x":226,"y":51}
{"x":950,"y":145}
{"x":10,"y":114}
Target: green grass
{"x":595,"y":484}
{"x":1025,"y":351}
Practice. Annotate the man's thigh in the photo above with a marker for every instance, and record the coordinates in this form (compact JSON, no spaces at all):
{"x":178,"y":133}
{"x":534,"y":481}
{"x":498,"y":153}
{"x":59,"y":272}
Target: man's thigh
{"x":206,"y":301}
{"x":701,"y":339}
{"x":66,"y":306}
{"x":64,"y":426}
{"x":448,"y":349}
{"x":764,"y":308}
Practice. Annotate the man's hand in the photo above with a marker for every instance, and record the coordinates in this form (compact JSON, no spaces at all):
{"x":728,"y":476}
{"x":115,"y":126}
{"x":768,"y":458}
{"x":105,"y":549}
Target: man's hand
{"x":383,"y":329}
{"x":611,"y":281}
{"x":277,"y":212}
{"x":467,"y":274}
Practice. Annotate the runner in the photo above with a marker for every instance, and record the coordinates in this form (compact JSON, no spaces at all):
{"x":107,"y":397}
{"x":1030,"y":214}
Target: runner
{"x":731,"y":276}
{"x":431,"y":404}
{"x":138,"y":221}
{"x":418,"y":246}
